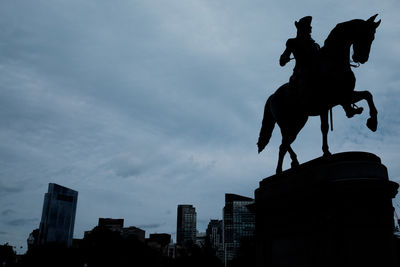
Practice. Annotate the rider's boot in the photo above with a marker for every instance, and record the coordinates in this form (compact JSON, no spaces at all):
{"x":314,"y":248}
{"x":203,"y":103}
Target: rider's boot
{"x":352,"y":110}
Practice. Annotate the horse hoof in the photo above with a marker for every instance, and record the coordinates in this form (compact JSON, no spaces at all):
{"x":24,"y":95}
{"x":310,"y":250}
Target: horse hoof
{"x":295,"y":164}
{"x":327,"y":154}
{"x":372,"y":124}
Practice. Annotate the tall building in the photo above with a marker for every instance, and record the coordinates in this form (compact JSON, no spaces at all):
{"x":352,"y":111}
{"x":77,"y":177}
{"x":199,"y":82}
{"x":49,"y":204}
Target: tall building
{"x":239,"y":224}
{"x":214,"y":233}
{"x":186,"y":225}
{"x":58,"y":216}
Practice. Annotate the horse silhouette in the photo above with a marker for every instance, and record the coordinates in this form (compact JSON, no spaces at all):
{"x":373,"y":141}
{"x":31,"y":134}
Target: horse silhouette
{"x":332,"y":84}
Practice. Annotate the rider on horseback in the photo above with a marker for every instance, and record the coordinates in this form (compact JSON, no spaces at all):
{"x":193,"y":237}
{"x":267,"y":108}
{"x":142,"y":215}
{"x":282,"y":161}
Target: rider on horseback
{"x":305,"y":51}
{"x":330,"y":85}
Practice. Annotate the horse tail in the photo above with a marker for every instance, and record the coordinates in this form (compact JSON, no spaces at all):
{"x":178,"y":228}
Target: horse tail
{"x":268,"y":124}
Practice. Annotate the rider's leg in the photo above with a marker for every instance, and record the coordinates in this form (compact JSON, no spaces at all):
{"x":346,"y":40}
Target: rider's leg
{"x":351,"y":109}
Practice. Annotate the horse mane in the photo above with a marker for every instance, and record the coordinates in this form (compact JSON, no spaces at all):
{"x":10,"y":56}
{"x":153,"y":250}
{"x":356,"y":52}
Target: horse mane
{"x":341,"y":31}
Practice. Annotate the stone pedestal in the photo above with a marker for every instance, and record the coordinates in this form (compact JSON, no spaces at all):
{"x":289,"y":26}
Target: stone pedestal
{"x":334,"y":211}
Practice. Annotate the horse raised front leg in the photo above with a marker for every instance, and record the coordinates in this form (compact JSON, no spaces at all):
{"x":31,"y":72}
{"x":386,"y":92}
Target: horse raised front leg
{"x":372,"y":122}
{"x":324,"y":130}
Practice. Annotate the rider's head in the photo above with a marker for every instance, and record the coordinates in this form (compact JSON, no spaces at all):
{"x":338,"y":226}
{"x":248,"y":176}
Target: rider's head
{"x":303,"y":26}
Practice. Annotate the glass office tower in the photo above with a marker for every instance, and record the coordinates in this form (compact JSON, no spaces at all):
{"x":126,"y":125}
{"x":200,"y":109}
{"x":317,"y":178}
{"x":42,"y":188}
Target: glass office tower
{"x":186,"y":225}
{"x":239,"y":224}
{"x":58,"y":216}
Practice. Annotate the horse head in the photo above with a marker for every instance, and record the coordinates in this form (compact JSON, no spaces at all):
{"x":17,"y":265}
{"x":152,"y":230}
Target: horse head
{"x":364,"y":36}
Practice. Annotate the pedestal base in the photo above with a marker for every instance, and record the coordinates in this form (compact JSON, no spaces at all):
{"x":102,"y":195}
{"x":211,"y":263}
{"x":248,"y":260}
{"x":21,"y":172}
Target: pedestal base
{"x":334,"y":211}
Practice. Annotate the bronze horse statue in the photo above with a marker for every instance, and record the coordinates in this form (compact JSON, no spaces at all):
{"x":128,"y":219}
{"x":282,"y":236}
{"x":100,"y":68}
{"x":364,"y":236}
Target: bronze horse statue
{"x":332,"y":84}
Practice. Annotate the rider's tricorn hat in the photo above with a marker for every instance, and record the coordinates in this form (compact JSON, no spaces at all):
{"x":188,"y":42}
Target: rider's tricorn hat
{"x":303,"y":22}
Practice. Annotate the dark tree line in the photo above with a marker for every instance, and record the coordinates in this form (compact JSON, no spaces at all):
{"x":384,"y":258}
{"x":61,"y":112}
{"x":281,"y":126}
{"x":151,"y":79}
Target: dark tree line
{"x":103,"y":247}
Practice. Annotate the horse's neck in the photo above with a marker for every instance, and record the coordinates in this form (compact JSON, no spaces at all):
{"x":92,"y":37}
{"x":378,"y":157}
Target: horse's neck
{"x":338,"y":54}
{"x":337,"y":46}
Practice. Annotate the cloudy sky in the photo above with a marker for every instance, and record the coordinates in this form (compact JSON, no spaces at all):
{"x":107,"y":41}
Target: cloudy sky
{"x":144,"y":105}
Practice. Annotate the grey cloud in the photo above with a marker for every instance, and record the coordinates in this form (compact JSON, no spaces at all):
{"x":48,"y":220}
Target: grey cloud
{"x":7,"y":212}
{"x":128,"y":165}
{"x":21,"y":222}
{"x":9,"y":188}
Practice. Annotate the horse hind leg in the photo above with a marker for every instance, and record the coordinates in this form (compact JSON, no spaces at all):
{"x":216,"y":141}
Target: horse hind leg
{"x":324,"y":130}
{"x":287,"y":140}
{"x":293,"y":156}
{"x":289,"y":134}
{"x":282,"y":151}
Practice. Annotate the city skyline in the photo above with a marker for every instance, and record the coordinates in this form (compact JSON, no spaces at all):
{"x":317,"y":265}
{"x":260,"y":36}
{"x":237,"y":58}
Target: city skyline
{"x":141,"y":106}
{"x":224,"y":236}
{"x":55,"y":211}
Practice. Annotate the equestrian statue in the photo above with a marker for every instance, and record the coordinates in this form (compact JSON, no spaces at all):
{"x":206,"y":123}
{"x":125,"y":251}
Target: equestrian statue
{"x":322,"y":78}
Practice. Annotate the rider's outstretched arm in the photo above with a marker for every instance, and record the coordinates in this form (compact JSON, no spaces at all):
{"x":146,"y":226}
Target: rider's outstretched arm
{"x":285,"y":57}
